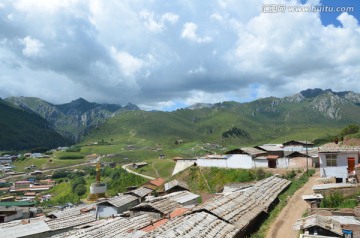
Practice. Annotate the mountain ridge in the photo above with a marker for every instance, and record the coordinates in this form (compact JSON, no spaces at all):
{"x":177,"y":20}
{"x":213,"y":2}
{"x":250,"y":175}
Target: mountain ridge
{"x":73,"y":119}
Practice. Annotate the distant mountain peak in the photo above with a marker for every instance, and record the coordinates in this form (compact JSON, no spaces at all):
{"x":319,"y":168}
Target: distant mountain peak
{"x":312,"y":93}
{"x":200,"y":106}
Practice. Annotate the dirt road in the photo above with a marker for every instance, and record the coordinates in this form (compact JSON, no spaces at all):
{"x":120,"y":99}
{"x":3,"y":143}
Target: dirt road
{"x":133,"y":172}
{"x":295,"y":208}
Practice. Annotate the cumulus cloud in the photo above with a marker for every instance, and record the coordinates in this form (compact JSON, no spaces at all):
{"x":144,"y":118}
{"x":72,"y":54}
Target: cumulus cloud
{"x":163,"y":55}
{"x":190,"y":33}
{"x":32,"y":47}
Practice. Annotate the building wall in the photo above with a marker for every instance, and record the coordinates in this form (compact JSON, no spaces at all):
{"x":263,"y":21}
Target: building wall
{"x":243,"y":161}
{"x":260,"y":163}
{"x":182,"y":165}
{"x":191,"y":203}
{"x":299,"y":148}
{"x":340,"y":171}
{"x":18,"y":215}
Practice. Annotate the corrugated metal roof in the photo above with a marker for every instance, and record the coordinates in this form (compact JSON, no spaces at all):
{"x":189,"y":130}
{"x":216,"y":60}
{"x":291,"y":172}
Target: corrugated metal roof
{"x":326,"y":223}
{"x":270,"y":148}
{"x":182,"y":196}
{"x":199,"y":224}
{"x":239,"y":208}
{"x":252,"y":151}
{"x":16,"y":229}
{"x":140,"y":192}
{"x":70,"y":221}
{"x":332,"y":147}
{"x":157,"y":182}
{"x":73,"y":211}
{"x":332,"y":186}
{"x":175,"y":183}
{"x":117,"y":227}
{"x":120,"y":200}
{"x":164,"y":206}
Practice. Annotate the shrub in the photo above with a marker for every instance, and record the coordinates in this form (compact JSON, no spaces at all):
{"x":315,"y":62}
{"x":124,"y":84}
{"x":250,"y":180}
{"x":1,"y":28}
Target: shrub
{"x":71,"y":157}
{"x":80,"y":189}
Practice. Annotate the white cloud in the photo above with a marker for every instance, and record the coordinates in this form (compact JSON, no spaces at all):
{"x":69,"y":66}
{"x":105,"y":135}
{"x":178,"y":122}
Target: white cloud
{"x":128,"y":64}
{"x":141,"y":49}
{"x":347,"y":20}
{"x":190,"y":33}
{"x":157,"y":24}
{"x":198,"y":70}
{"x":32,"y":47}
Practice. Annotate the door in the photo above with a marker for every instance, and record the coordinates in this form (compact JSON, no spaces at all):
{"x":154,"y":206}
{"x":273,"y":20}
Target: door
{"x":351,"y":164}
{"x":272,"y":163}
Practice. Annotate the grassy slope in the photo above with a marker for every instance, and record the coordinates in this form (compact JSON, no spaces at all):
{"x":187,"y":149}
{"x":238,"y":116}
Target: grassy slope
{"x":23,"y":130}
{"x":263,"y":122}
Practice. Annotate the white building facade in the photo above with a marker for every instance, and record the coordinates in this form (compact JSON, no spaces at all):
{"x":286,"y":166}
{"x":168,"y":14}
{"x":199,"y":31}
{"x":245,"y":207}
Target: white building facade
{"x":338,"y":161}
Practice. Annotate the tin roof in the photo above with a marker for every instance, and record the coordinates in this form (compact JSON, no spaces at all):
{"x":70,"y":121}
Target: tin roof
{"x":70,"y":221}
{"x":116,"y":227}
{"x":199,"y":224}
{"x":120,"y":200}
{"x":157,"y":182}
{"x":175,"y":183}
{"x":17,"y":229}
{"x":332,"y":147}
{"x":252,"y":151}
{"x":332,"y":186}
{"x":239,"y":208}
{"x":19,"y":204}
{"x":182,"y":196}
{"x":140,"y":192}
{"x":164,"y":206}
{"x":73,"y":211}
{"x":324,"y":222}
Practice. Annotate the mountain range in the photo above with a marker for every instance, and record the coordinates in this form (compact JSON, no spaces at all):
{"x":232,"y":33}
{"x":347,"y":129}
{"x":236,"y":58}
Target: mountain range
{"x":309,"y":114}
{"x":23,"y":130}
{"x":74,"y":119}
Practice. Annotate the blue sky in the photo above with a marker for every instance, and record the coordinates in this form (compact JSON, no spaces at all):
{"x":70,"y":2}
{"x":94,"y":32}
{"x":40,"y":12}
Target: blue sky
{"x":330,"y":17}
{"x":162,"y":55}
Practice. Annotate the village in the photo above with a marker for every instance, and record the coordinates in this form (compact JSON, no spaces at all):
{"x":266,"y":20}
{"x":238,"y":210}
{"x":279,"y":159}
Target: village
{"x":160,"y":208}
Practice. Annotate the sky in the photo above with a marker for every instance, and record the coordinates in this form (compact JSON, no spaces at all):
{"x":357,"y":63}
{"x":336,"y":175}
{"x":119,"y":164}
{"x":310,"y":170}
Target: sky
{"x":163,"y":55}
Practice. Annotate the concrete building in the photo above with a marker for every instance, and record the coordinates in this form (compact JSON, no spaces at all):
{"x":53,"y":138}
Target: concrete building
{"x":338,"y":161}
{"x":14,"y":213}
{"x":116,"y":205}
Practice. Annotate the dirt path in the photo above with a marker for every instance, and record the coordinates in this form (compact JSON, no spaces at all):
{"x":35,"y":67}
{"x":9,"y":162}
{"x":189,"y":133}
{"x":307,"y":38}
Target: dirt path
{"x":157,"y":174}
{"x":133,"y":172}
{"x":295,"y":208}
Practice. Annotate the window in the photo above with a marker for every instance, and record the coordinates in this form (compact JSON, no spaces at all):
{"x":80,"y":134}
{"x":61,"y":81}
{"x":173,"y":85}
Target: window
{"x":331,"y":160}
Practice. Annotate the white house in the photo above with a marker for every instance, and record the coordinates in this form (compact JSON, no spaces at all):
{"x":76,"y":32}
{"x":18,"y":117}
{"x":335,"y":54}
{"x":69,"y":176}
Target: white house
{"x":295,"y":145}
{"x":338,"y":161}
{"x":244,"y":158}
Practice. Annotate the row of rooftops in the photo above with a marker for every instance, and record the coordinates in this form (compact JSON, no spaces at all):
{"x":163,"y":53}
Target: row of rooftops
{"x":231,"y":212}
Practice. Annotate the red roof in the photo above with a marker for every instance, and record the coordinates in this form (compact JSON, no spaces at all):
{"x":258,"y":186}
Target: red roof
{"x":272,"y":156}
{"x":155,"y":225}
{"x":178,"y":211}
{"x":157,"y":182}
{"x":30,"y":194}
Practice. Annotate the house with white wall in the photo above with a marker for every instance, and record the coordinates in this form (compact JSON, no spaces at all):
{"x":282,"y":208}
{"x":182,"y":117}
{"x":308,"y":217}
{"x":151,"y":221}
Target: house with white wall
{"x":244,"y":158}
{"x":295,"y":145}
{"x":338,"y":160}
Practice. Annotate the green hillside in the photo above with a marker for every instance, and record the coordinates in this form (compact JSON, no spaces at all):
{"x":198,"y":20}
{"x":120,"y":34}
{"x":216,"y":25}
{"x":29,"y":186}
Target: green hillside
{"x":225,"y":125}
{"x":24,"y":130}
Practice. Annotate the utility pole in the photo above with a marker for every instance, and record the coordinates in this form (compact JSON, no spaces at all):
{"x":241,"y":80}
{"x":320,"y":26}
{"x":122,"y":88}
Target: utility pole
{"x":307,"y":158}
